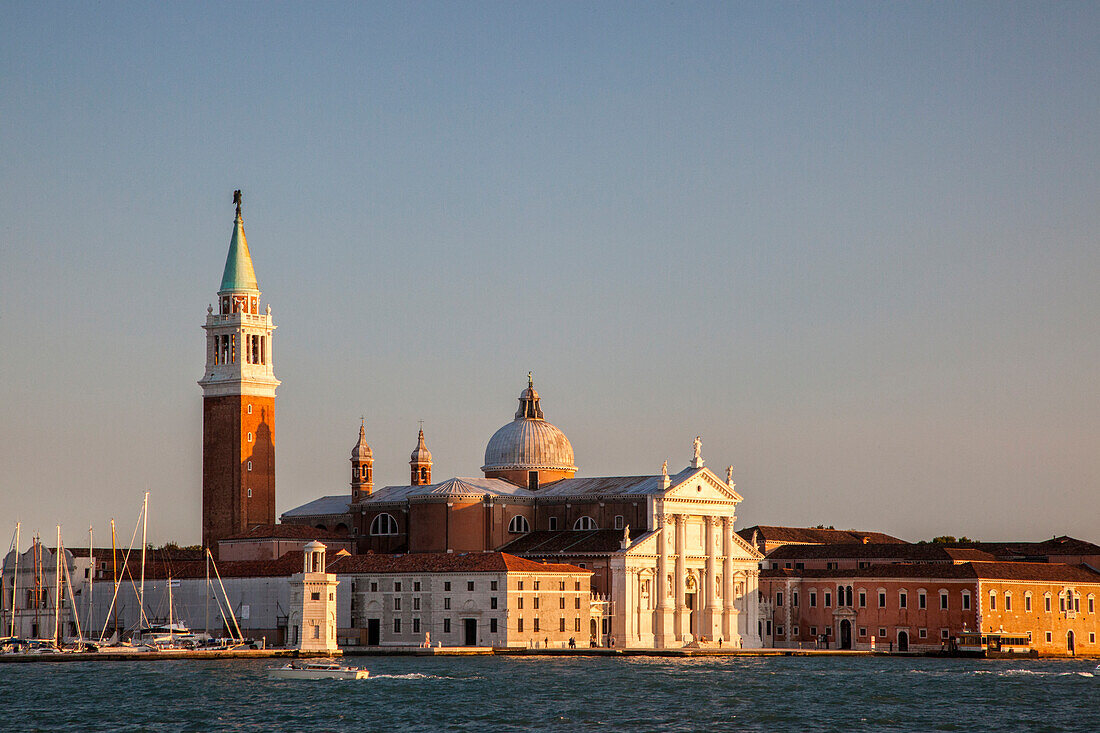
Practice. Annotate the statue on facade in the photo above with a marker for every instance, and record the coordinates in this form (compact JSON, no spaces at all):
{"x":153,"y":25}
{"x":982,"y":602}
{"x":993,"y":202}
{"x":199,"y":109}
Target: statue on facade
{"x":729,"y":475}
{"x":664,"y":468}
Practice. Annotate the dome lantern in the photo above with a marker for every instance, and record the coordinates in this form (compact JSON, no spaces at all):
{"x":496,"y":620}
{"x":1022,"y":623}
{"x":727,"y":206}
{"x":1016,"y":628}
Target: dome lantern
{"x":529,"y":451}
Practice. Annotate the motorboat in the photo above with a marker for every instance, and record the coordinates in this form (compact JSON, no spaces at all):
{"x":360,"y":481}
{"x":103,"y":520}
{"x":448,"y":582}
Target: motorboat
{"x":322,"y":670}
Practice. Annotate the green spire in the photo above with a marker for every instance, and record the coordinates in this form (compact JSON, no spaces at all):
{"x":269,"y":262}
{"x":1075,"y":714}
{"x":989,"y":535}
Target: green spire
{"x":238,"y":274}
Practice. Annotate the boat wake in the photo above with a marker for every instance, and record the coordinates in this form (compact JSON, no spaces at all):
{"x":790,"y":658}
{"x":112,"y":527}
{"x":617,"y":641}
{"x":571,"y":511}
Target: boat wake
{"x":420,"y":676}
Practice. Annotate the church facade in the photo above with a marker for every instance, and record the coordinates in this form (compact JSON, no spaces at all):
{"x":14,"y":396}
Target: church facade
{"x":668,"y":569}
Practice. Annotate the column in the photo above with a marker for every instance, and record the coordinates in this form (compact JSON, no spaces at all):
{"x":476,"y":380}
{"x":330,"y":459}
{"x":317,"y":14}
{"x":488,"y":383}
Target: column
{"x":752,"y":588}
{"x":681,"y":615}
{"x":711,"y":613}
{"x":729,"y":610}
{"x":660,"y":585}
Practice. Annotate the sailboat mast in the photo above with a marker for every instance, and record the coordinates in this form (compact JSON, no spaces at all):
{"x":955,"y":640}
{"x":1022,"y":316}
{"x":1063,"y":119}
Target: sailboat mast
{"x":209,"y":590}
{"x":171,"y":636}
{"x":57,"y":594}
{"x":36,"y":558}
{"x":15,"y":579}
{"x":114,"y":572}
{"x":91,"y":578}
{"x":144,"y":530}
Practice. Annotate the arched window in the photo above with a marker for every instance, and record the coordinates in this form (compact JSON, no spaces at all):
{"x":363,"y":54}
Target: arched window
{"x":383,"y":525}
{"x":519,"y":525}
{"x":585,"y":522}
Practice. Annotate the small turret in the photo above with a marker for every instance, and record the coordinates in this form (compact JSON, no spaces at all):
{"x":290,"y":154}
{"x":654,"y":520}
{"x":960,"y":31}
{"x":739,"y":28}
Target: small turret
{"x":420,"y":463}
{"x":362,"y":467}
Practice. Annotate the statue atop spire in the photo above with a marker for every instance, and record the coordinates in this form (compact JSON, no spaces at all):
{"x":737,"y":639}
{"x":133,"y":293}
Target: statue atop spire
{"x":237,"y":200}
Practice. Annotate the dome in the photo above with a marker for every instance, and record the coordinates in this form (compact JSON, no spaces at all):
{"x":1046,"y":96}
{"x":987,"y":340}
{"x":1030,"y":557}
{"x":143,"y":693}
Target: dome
{"x":529,"y":442}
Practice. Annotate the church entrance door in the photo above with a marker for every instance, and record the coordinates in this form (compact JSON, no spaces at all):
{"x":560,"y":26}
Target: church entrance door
{"x":903,"y":641}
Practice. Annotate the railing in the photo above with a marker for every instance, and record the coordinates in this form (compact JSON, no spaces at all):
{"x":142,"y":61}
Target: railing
{"x":258,"y":319}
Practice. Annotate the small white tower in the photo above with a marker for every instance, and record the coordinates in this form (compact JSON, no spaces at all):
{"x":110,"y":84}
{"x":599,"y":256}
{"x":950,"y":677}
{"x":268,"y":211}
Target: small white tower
{"x":313,"y":598}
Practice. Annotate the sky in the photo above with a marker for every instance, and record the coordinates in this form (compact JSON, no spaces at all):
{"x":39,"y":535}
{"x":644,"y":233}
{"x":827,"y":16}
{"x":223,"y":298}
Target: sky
{"x":853,"y":246}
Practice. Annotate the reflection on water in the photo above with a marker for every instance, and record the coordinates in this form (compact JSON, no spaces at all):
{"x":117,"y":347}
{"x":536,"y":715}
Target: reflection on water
{"x":510,"y":694}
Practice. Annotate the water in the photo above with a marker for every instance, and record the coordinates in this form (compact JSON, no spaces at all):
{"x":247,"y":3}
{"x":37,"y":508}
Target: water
{"x":517,"y":694}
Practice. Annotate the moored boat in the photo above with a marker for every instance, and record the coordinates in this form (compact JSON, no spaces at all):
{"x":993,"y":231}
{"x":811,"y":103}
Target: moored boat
{"x":323,"y":670}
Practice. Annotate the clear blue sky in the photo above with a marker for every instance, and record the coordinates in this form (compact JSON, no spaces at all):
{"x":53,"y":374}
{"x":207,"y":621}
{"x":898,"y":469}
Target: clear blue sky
{"x":854,"y":246}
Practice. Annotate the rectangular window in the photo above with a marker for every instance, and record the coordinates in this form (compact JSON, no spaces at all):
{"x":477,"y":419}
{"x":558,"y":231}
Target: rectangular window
{"x":536,"y":602}
{"x":416,"y":625}
{"x":374,"y":587}
{"x":561,"y":624}
{"x":992,"y":601}
{"x":769,"y":631}
{"x":397,"y":626}
{"x":536,"y":623}
{"x":1008,"y":602}
{"x":828,"y":598}
{"x":446,"y":604}
{"x":447,"y":585}
{"x":492,"y":585}
{"x":1046,"y":603}
{"x":312,"y":596}
{"x":943,"y":601}
{"x":922,"y":601}
{"x":447,"y":625}
{"x":903,"y":600}
{"x":1048,"y":637}
{"x":577,"y":602}
{"x":830,"y":566}
{"x":922,"y":633}
{"x":561,"y":602}
{"x":519,"y":585}
{"x":416,"y":603}
{"x":536,"y":585}
{"x":945,"y":634}
{"x":416,"y":586}
{"x":881,"y":633}
{"x":519,"y":625}
{"x":469,"y":585}
{"x":492,"y":626}
{"x":619,"y":521}
{"x":794,"y":598}
{"x":794,"y":632}
{"x":1091,"y":599}
{"x":552,"y":524}
{"x":397,"y":586}
{"x":397,"y":604}
{"x":577,"y":585}
{"x":519,"y":603}
{"x":813,"y":631}
{"x":493,"y":602}
{"x":813,"y":599}
{"x":863,"y":631}
{"x":778,"y":599}
{"x":881,"y":599}
{"x":1027,"y":603}
{"x":1092,"y":637}
{"x":863,"y":599}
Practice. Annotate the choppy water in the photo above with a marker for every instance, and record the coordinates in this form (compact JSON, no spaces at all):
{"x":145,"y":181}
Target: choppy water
{"x":513,"y":694}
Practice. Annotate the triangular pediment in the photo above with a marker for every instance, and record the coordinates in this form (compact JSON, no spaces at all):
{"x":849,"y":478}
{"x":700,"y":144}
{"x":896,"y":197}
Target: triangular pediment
{"x":703,"y":485}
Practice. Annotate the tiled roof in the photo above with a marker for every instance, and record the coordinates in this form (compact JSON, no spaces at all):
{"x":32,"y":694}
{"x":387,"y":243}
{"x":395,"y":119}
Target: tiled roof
{"x":875,"y":551}
{"x":815,"y":535}
{"x":1040,"y":571}
{"x":1055,"y":546}
{"x":287,"y":532}
{"x":446,"y":562}
{"x":326,"y":505}
{"x":568,"y":541}
{"x":473,"y":487}
{"x":614,"y":485}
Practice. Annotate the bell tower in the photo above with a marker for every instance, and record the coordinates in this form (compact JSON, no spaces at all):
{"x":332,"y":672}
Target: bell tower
{"x":420,"y":463}
{"x":238,"y":390}
{"x":362,"y":467}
